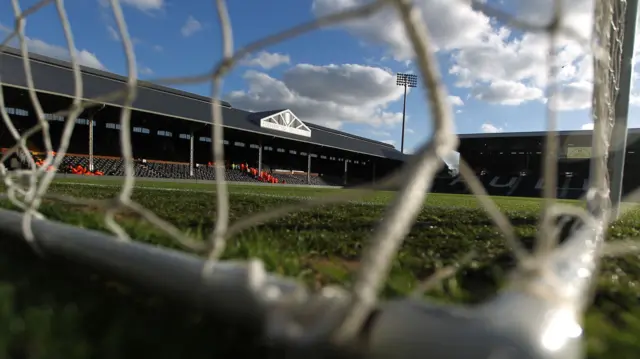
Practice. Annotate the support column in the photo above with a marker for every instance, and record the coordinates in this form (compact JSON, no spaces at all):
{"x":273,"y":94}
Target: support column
{"x":91,"y":142}
{"x":191,"y":153}
{"x":91,"y":116}
{"x":373,"y":171}
{"x":260,"y":157}
{"x":345,"y":171}
{"x":309,"y":168}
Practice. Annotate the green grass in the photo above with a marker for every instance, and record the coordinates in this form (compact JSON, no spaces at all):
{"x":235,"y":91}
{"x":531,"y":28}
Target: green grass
{"x":54,"y":310}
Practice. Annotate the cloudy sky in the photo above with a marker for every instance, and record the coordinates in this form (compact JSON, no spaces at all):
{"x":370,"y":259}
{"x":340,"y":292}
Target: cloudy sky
{"x":342,"y":77}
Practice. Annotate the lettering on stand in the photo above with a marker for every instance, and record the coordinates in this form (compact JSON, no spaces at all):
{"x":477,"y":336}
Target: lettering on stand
{"x":511,"y":184}
{"x":459,"y":180}
{"x":456,"y":180}
{"x":567,"y":186}
{"x":565,"y":189}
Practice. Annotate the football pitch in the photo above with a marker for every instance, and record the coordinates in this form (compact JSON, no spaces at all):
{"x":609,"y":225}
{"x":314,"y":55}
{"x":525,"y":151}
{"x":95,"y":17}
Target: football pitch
{"x":73,"y":313}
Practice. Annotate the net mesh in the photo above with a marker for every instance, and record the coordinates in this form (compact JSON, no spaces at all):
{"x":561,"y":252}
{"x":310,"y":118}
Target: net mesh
{"x":27,"y":188}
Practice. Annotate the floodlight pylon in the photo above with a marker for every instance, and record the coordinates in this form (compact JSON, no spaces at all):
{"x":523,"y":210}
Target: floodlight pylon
{"x":405,"y":80}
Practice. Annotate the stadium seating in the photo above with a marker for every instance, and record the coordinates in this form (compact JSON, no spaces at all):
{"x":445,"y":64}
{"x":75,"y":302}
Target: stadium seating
{"x":168,"y":170}
{"x":108,"y":166}
{"x":571,"y":180}
{"x":153,"y":169}
{"x":238,"y":176}
{"x":204,"y":173}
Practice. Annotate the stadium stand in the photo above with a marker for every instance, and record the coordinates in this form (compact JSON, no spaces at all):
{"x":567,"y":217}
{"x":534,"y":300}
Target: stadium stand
{"x":271,"y":146}
{"x":509,"y":164}
{"x":177,"y":144}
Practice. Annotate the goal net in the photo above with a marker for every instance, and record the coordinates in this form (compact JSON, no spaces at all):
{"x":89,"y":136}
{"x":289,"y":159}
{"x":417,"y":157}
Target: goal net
{"x":536,"y":314}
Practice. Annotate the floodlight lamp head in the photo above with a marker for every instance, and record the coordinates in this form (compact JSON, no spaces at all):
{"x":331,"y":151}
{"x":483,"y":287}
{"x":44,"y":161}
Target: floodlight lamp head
{"x":408,"y":80}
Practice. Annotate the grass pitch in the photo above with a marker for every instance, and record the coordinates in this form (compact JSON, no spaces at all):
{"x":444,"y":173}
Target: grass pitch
{"x":54,"y":310}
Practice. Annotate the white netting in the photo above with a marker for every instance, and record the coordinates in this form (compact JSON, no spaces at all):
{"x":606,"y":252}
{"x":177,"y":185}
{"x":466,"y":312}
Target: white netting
{"x":538,"y":273}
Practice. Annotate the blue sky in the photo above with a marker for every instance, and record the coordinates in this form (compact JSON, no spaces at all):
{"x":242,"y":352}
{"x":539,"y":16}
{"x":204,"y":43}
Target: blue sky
{"x":342,"y":77}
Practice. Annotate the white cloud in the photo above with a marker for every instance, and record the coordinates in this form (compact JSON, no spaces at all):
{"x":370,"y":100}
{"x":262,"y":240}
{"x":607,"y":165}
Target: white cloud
{"x":191,"y":26}
{"x":144,"y":70}
{"x":507,"y":93}
{"x":115,"y":36}
{"x":158,"y":48}
{"x":576,"y":95}
{"x":456,"y":101}
{"x":84,"y":57}
{"x":380,"y":133}
{"x":385,"y":27}
{"x":489,"y":128}
{"x":267,"y":60}
{"x":328,"y":95}
{"x":497,"y":65}
{"x":390,"y":142}
{"x":587,"y":126}
{"x":113,"y":33}
{"x":143,"y":5}
{"x":408,"y":130}
{"x":355,"y":85}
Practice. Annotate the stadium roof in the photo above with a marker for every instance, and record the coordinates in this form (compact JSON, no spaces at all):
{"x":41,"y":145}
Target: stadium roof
{"x":533,"y":141}
{"x":632,"y":131}
{"x":54,"y":77}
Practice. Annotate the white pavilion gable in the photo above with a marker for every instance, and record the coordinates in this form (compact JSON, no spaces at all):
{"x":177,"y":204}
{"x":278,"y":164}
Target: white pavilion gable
{"x":285,"y":121}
